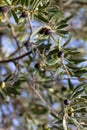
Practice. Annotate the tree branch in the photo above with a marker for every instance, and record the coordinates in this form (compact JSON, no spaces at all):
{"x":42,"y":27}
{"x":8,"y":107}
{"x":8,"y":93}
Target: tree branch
{"x":16,"y":58}
{"x":80,"y":2}
{"x":12,"y":30}
{"x":68,"y":3}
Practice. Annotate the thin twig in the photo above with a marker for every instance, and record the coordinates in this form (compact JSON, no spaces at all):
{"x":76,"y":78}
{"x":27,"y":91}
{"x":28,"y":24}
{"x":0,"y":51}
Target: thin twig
{"x":30,"y":26}
{"x":41,"y":98}
{"x":19,"y":57}
{"x":51,"y":80}
{"x":28,"y":40}
{"x":20,"y":48}
{"x":75,"y":2}
{"x":37,"y":93}
{"x":65,"y":68}
{"x":16,"y":58}
{"x":80,"y":2}
{"x":12,"y":30}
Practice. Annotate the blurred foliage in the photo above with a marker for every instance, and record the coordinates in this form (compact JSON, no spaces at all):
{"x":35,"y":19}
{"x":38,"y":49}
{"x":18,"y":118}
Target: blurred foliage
{"x":76,"y":12}
{"x":43,"y":78}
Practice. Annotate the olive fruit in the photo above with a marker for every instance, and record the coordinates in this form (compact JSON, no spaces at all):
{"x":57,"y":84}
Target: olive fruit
{"x":26,"y":43}
{"x":37,"y":66}
{"x":20,"y":114}
{"x":64,"y":89}
{"x":46,"y":31}
{"x":60,"y":54}
{"x":3,"y":9}
{"x":24,"y":15}
{"x":67,"y":102}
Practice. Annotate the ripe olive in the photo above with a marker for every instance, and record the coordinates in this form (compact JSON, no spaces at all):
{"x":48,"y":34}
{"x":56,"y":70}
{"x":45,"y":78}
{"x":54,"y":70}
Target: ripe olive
{"x":60,"y":54}
{"x":24,"y":15}
{"x":3,"y":9}
{"x":46,"y":31}
{"x":67,"y":102}
{"x":37,"y":66}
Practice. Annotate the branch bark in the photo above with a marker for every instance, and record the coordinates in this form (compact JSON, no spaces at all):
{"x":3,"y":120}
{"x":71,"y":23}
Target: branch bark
{"x":80,"y":2}
{"x":16,"y":58}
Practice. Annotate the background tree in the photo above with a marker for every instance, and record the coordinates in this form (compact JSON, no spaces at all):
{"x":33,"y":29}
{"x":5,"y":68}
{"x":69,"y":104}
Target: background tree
{"x":43,"y":67}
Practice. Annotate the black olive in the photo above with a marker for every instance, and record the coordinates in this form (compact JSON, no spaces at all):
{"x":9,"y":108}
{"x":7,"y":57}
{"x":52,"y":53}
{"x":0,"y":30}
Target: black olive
{"x":46,"y":31}
{"x":24,"y":15}
{"x":37,"y":66}
{"x":67,"y":102}
{"x":60,"y":54}
{"x":4,"y":9}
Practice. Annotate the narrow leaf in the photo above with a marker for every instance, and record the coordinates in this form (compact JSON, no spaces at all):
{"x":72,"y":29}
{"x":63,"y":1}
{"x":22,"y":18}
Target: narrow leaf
{"x":78,"y":93}
{"x":70,"y":85}
{"x":40,"y":17}
{"x":15,"y":16}
{"x":64,"y":123}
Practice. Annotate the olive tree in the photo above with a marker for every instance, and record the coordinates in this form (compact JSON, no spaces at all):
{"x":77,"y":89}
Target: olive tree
{"x":42,"y":76}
